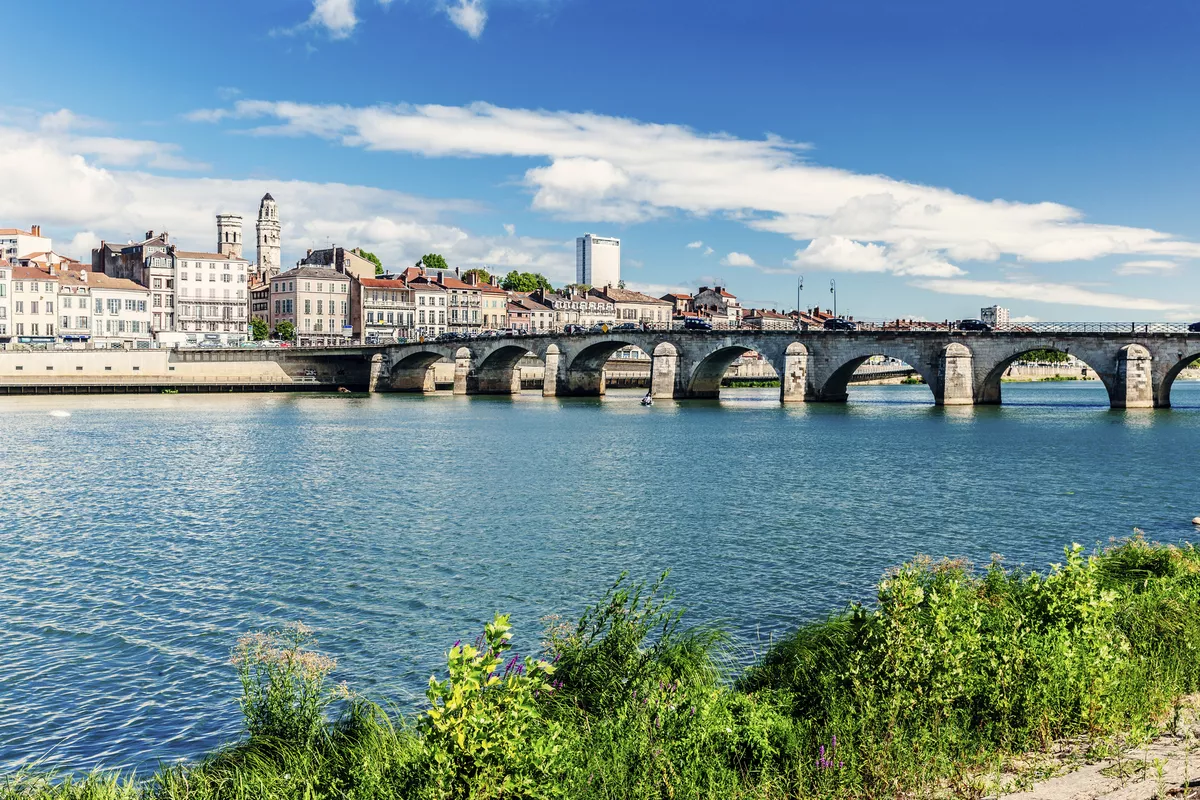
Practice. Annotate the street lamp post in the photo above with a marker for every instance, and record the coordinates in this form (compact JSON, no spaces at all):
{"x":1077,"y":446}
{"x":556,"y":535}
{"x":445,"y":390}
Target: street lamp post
{"x":799,"y":286}
{"x":833,"y":291}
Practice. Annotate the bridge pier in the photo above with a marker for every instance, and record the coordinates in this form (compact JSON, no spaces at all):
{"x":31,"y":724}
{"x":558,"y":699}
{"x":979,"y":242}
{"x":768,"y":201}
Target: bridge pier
{"x":793,"y":380}
{"x":1134,"y":384}
{"x":956,"y":377}
{"x":462,"y":369}
{"x":664,"y":371}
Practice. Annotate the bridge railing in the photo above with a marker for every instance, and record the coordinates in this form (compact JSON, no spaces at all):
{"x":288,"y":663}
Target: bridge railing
{"x":1094,"y":327}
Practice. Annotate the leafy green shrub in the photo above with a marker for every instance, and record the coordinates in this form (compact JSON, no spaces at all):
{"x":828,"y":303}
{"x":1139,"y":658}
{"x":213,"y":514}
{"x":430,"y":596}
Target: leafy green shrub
{"x":283,"y":684}
{"x":483,"y":734}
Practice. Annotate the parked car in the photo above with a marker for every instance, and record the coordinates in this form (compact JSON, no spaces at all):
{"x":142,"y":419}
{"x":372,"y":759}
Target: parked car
{"x":973,"y":325}
{"x":840,"y":324}
{"x":696,"y":324}
{"x":572,"y":329}
{"x":628,"y":326}
{"x":449,"y":336}
{"x":601,"y":327}
{"x":1194,"y":327}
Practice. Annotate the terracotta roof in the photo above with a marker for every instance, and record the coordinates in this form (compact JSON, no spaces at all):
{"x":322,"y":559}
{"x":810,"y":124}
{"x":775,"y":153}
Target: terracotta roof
{"x":32,"y":274}
{"x":451,"y":282}
{"x":206,"y":256}
{"x":98,"y":280}
{"x":627,"y":296}
{"x":383,"y":283}
{"x":765,"y":313}
{"x":677,"y":296}
{"x":14,"y":232}
{"x":487,"y":287}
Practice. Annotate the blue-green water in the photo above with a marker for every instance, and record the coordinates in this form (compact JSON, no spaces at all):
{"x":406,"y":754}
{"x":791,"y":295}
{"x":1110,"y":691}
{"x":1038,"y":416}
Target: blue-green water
{"x":140,"y":536}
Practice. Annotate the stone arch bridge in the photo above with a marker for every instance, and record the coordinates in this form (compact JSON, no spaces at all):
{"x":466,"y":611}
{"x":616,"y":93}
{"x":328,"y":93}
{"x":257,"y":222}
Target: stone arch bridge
{"x":960,"y":368}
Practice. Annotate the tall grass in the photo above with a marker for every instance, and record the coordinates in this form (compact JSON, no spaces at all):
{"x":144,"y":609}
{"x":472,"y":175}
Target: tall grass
{"x":949,"y":672}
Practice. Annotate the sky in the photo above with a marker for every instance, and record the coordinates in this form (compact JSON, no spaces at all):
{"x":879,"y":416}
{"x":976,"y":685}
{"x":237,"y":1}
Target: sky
{"x":929,"y":157}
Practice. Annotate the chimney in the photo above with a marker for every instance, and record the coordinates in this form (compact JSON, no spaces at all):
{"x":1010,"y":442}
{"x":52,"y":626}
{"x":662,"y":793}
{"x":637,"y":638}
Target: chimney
{"x":472,"y":278}
{"x":36,"y":230}
{"x":439,"y":280}
{"x":149,"y":234}
{"x":83,"y":275}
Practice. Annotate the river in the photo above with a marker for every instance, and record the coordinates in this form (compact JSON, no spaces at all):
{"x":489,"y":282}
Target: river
{"x":140,"y":535}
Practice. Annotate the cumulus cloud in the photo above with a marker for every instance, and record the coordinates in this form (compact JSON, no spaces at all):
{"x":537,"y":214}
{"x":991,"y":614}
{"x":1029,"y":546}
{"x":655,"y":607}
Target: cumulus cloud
{"x":1147,"y":267}
{"x":335,"y":16}
{"x":695,"y":245}
{"x":510,"y":229}
{"x":610,"y":169}
{"x":736,"y":259}
{"x":708,"y":251}
{"x":1065,"y":294}
{"x":469,"y":16}
{"x":839,"y":253}
{"x":82,"y":192}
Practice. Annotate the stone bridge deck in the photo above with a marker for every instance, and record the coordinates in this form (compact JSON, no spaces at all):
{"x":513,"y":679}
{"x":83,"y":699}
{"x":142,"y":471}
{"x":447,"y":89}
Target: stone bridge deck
{"x":1137,"y":368}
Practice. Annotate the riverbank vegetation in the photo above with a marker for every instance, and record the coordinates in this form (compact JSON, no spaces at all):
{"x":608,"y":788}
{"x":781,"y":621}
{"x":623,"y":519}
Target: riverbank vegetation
{"x":932,"y":687}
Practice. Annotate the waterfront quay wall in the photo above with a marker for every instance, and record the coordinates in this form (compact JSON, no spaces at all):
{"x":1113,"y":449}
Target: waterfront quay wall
{"x":120,"y":371}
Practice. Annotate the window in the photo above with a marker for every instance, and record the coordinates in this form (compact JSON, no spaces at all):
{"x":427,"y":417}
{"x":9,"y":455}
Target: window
{"x":33,"y":329}
{"x":114,"y":307}
{"x":120,"y":326}
{"x":307,"y":286}
{"x":227,"y":279}
{"x":421,"y":300}
{"x":157,"y":302}
{"x":308,"y":306}
{"x":33,"y":307}
{"x":343,"y":307}
{"x":47,"y":287}
{"x":321,"y":286}
{"x":158,"y":283}
{"x":65,"y":322}
{"x":99,"y":306}
{"x":18,"y":286}
{"x":19,"y":307}
{"x":212,"y":277}
{"x":319,"y":311}
{"x":141,"y":306}
{"x":277,"y":304}
{"x":183,"y":291}
{"x":64,"y":303}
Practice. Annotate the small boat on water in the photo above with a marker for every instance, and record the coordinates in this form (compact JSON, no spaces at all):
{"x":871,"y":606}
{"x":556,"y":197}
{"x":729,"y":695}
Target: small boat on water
{"x":647,"y":400}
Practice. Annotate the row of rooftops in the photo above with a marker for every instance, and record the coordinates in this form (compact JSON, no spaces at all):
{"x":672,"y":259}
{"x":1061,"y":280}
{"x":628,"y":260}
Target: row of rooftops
{"x":76,"y":275}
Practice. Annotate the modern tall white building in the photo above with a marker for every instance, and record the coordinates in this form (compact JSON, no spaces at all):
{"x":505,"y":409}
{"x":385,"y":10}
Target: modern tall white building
{"x":15,"y":243}
{"x":996,"y":316}
{"x":597,"y":261}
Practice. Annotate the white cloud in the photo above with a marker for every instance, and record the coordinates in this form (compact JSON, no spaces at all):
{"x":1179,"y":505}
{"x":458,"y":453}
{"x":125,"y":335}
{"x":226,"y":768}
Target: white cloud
{"x":64,"y":120}
{"x":1048,"y":293}
{"x":846,"y":255}
{"x":695,"y":245}
{"x":1149,"y":267}
{"x":228,"y":92}
{"x":708,"y":251}
{"x":611,"y":169}
{"x":510,"y":229}
{"x":469,"y":16}
{"x":75,"y":188}
{"x":1025,"y":318}
{"x":335,"y":16}
{"x":80,"y":246}
{"x":736,"y":259}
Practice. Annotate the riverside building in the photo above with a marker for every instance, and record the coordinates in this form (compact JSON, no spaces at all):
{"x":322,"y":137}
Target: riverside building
{"x":597,"y":261}
{"x":5,"y":291}
{"x":212,"y":299}
{"x":316,"y":301}
{"x":120,"y":311}
{"x":15,"y":243}
{"x":387,"y":308}
{"x":34,"y":305}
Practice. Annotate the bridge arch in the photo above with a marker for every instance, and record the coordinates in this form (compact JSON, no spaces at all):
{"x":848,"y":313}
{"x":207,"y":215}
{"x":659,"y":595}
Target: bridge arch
{"x":1163,"y":393}
{"x":988,"y":384}
{"x":414,"y":371}
{"x":584,"y":372}
{"x":704,"y":380}
{"x":496,"y":372}
{"x":841,"y":366}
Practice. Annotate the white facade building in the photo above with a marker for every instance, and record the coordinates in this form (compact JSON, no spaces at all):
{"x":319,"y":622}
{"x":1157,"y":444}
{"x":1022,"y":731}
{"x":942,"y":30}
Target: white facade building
{"x":212,"y":299}
{"x":5,"y":291}
{"x":996,"y":316}
{"x":597,"y":261}
{"x":15,"y":243}
{"x":120,"y":312}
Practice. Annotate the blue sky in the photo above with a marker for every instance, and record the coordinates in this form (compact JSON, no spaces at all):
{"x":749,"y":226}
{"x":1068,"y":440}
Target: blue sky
{"x":931,"y":157}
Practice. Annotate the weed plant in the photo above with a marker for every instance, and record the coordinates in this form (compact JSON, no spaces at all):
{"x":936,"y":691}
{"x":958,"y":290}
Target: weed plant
{"x":947,"y":674}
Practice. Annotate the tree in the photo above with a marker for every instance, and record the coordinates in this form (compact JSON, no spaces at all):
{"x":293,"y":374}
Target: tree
{"x":286,"y":331}
{"x":259,"y":329}
{"x":1045,"y":357}
{"x":374,"y":259}
{"x":525,"y":282}
{"x":484,"y":276}
{"x":433,"y":261}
